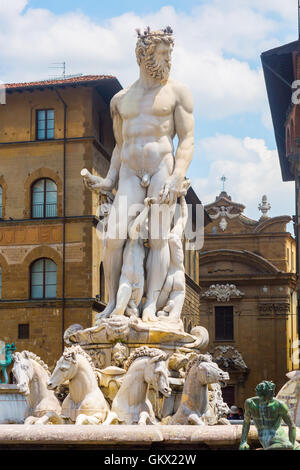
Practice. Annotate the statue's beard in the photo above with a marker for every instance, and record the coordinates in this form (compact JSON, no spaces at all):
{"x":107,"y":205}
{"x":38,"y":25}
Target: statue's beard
{"x":156,"y":69}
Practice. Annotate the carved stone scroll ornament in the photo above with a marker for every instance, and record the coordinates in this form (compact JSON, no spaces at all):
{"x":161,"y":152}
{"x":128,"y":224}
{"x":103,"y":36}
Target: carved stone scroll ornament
{"x":223,"y":292}
{"x":228,"y":358}
{"x":223,"y":212}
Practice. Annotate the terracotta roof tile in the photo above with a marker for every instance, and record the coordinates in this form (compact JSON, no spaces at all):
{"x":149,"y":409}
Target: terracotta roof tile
{"x":66,"y":81}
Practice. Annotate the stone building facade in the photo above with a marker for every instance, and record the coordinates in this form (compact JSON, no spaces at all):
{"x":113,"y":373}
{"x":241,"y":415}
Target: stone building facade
{"x":248,"y":298}
{"x":51,"y":274}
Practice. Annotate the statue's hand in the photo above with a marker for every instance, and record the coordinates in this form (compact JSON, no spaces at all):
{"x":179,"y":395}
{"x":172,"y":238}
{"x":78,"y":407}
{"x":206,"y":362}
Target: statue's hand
{"x":96,"y":183}
{"x":244,"y":446}
{"x":170,"y":190}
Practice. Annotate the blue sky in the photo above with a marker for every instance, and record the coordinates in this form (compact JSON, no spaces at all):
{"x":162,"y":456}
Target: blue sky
{"x":217,"y":54}
{"x":106,"y":9}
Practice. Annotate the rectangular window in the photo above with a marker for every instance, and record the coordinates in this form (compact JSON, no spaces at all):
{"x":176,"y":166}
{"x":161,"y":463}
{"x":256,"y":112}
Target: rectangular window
{"x":45,"y":124}
{"x":224,"y":323}
{"x":23,"y":331}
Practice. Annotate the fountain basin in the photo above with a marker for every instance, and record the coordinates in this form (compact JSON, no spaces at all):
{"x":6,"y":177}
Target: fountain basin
{"x":13,"y":405}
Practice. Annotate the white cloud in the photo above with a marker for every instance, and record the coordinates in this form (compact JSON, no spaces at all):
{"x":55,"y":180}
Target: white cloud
{"x":251,"y":170}
{"x":222,"y":85}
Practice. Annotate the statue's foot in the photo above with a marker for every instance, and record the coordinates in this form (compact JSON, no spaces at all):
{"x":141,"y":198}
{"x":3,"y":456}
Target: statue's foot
{"x":195,"y":420}
{"x":149,"y":315}
{"x":84,"y":419}
{"x":106,"y":312}
{"x":116,"y":312}
{"x":162,"y":313}
{"x":30,"y":420}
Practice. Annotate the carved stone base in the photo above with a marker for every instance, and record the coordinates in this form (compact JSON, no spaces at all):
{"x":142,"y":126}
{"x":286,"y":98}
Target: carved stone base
{"x":102,"y":341}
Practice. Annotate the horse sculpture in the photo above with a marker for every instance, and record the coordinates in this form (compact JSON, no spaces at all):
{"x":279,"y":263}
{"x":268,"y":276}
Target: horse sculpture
{"x":32,"y":374}
{"x":85,"y":403}
{"x":146,"y":367}
{"x":8,"y":349}
{"x":194,"y":406}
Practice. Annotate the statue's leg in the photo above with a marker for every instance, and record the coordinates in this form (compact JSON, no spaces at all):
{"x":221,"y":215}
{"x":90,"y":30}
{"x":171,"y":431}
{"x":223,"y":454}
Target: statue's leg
{"x":123,"y":296}
{"x":280,"y":441}
{"x":144,"y":418}
{"x":129,"y":192}
{"x":177,"y":296}
{"x":158,"y":260}
{"x":5,"y":376}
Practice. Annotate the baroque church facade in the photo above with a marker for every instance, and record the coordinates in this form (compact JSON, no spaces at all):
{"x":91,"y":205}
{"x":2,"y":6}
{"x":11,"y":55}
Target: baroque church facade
{"x":248,"y":298}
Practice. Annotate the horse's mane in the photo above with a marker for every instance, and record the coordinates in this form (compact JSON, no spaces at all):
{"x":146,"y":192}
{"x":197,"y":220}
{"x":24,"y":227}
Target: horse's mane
{"x":77,"y":349}
{"x":196,"y":359}
{"x":37,"y":359}
{"x":144,"y":351}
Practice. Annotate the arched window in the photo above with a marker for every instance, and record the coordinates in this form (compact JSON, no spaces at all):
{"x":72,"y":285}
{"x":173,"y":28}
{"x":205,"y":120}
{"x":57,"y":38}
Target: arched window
{"x":1,"y":203}
{"x":102,"y":283}
{"x":43,"y":279}
{"x":44,"y":199}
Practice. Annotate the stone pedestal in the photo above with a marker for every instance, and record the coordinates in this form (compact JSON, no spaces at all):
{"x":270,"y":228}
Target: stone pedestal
{"x":102,"y":342}
{"x":13,"y":405}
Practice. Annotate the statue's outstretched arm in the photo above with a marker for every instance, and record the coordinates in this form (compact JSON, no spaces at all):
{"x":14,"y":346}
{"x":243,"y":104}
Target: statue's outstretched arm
{"x":113,"y":172}
{"x":289,"y":422}
{"x":96,"y":183}
{"x":246,"y":426}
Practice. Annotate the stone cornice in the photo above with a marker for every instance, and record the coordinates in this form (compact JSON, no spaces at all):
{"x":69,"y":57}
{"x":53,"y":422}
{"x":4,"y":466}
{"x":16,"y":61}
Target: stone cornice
{"x":54,"y":303}
{"x":270,"y":221}
{"x":244,"y":256}
{"x":69,"y":140}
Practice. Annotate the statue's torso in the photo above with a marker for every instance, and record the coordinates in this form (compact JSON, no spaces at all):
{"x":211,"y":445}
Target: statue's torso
{"x":267,"y":417}
{"x":147,"y":126}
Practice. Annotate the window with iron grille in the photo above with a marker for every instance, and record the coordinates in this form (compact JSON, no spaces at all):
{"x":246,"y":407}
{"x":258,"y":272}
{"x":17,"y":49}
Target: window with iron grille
{"x":45,"y":124}
{"x":224,"y":323}
{"x":23,"y":331}
{"x":44,"y":199}
{"x":43,"y":279}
